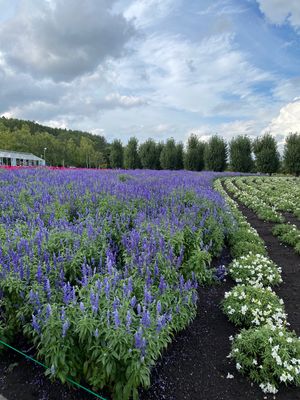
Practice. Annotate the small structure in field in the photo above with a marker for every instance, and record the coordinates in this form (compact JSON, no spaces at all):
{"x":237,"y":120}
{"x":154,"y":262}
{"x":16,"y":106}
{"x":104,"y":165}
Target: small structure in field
{"x":19,"y":159}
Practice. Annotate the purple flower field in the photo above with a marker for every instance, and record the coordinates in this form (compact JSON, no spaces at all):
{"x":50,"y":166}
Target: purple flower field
{"x":100,"y":268}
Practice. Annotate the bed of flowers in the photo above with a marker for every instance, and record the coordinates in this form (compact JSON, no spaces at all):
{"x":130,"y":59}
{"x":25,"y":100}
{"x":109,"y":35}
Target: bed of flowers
{"x":268,"y":197}
{"x":281,"y":192}
{"x":265,"y":349}
{"x":99,"y":269}
{"x":288,"y":234}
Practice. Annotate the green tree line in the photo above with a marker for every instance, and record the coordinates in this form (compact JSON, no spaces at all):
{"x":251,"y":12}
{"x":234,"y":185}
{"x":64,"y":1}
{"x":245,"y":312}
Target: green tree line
{"x":82,"y":149}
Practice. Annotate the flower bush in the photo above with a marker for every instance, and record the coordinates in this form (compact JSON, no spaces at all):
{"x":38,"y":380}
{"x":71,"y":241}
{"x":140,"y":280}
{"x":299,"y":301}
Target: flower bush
{"x":248,"y":306}
{"x":255,"y":269}
{"x":269,"y":355}
{"x":288,"y":234}
{"x":99,"y":269}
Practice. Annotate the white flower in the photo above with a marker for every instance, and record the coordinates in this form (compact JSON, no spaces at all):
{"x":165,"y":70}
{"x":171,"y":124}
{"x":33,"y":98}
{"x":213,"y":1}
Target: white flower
{"x":229,"y":376}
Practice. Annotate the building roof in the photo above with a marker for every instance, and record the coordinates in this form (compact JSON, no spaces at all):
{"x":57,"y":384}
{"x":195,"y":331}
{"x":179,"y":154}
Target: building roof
{"x":19,"y":155}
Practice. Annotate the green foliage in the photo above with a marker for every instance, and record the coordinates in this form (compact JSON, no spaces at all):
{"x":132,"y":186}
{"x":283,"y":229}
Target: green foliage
{"x":215,"y":154}
{"x":255,"y":269}
{"x":194,"y":155}
{"x":240,"y":154}
{"x":116,"y":156}
{"x":248,"y":306}
{"x":268,"y":355}
{"x":198,"y":264}
{"x":291,"y":155}
{"x":266,"y":154}
{"x":171,"y":156}
{"x":64,"y":147}
{"x":131,"y":156}
{"x":149,"y":153}
{"x":288,"y":234}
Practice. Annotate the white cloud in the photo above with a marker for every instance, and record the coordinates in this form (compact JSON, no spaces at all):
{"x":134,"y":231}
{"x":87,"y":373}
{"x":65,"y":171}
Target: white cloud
{"x":147,"y":12}
{"x":223,"y":7}
{"x":281,"y":11}
{"x":191,"y":76}
{"x":116,"y":100}
{"x":286,"y":122}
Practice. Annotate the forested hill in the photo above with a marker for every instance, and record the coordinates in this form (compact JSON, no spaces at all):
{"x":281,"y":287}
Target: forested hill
{"x":64,"y":147}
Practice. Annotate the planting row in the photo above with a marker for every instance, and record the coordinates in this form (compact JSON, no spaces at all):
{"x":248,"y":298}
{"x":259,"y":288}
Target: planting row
{"x":265,"y":349}
{"x":261,"y":195}
{"x":100,"y":269}
{"x":282,"y":193}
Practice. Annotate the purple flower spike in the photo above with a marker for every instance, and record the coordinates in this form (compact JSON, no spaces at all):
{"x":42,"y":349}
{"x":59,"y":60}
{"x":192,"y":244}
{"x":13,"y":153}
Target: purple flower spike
{"x":35,"y":324}
{"x":158,"y":307}
{"x":65,"y":328}
{"x":117,"y":319}
{"x":133,"y":301}
{"x":128,"y":320}
{"x":146,"y":320}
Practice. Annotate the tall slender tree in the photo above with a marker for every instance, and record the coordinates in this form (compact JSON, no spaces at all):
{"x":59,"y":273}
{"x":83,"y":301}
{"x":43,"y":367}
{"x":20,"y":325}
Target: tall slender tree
{"x":148,"y":153}
{"x":169,"y":155}
{"x":266,"y":154}
{"x":241,"y":154}
{"x":215,"y":154}
{"x":116,"y":156}
{"x":194,"y":155}
{"x":131,"y":156}
{"x":291,"y":154}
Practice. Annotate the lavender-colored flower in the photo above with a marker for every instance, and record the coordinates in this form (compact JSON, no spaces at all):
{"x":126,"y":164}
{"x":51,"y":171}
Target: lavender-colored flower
{"x":81,"y":306}
{"x":96,"y":333}
{"x":47,"y":288}
{"x":62,"y":314}
{"x":158,"y":307}
{"x":35,"y":324}
{"x":48,"y":311}
{"x":128,"y":320}
{"x":139,"y":340}
{"x":116,"y":319}
{"x":139,"y":309}
{"x":147,"y":296}
{"x":39,"y":274}
{"x":94,"y":299}
{"x":146,"y":320}
{"x":65,"y":328}
{"x":162,"y":285}
{"x":133,"y":301}
{"x":161,"y":322}
{"x":220,"y":272}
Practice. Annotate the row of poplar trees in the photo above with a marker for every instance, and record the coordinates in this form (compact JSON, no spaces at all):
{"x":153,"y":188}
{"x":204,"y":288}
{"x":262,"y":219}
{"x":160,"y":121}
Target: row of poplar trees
{"x":240,"y":154}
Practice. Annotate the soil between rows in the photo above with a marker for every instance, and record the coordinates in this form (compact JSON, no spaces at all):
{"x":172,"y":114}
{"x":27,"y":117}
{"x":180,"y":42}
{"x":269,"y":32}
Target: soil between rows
{"x":195,"y":365}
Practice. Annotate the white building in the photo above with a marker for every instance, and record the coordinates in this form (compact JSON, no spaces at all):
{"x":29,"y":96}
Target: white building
{"x":16,"y":158}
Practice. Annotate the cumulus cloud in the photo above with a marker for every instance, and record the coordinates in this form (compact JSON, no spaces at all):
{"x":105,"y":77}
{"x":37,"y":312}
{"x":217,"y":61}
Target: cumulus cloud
{"x":63,"y":39}
{"x":286,"y":121}
{"x":281,"y":11}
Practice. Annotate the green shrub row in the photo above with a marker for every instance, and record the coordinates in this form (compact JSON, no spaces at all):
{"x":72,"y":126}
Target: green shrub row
{"x":265,"y":350}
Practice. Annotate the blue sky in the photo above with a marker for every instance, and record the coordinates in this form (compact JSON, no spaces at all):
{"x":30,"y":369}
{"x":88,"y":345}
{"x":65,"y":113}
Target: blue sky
{"x":153,"y":68}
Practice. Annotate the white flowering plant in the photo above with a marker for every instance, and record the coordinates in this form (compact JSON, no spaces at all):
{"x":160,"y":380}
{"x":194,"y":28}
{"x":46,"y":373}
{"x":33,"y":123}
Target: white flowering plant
{"x":250,"y":306}
{"x":269,"y":355}
{"x":255,"y":269}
